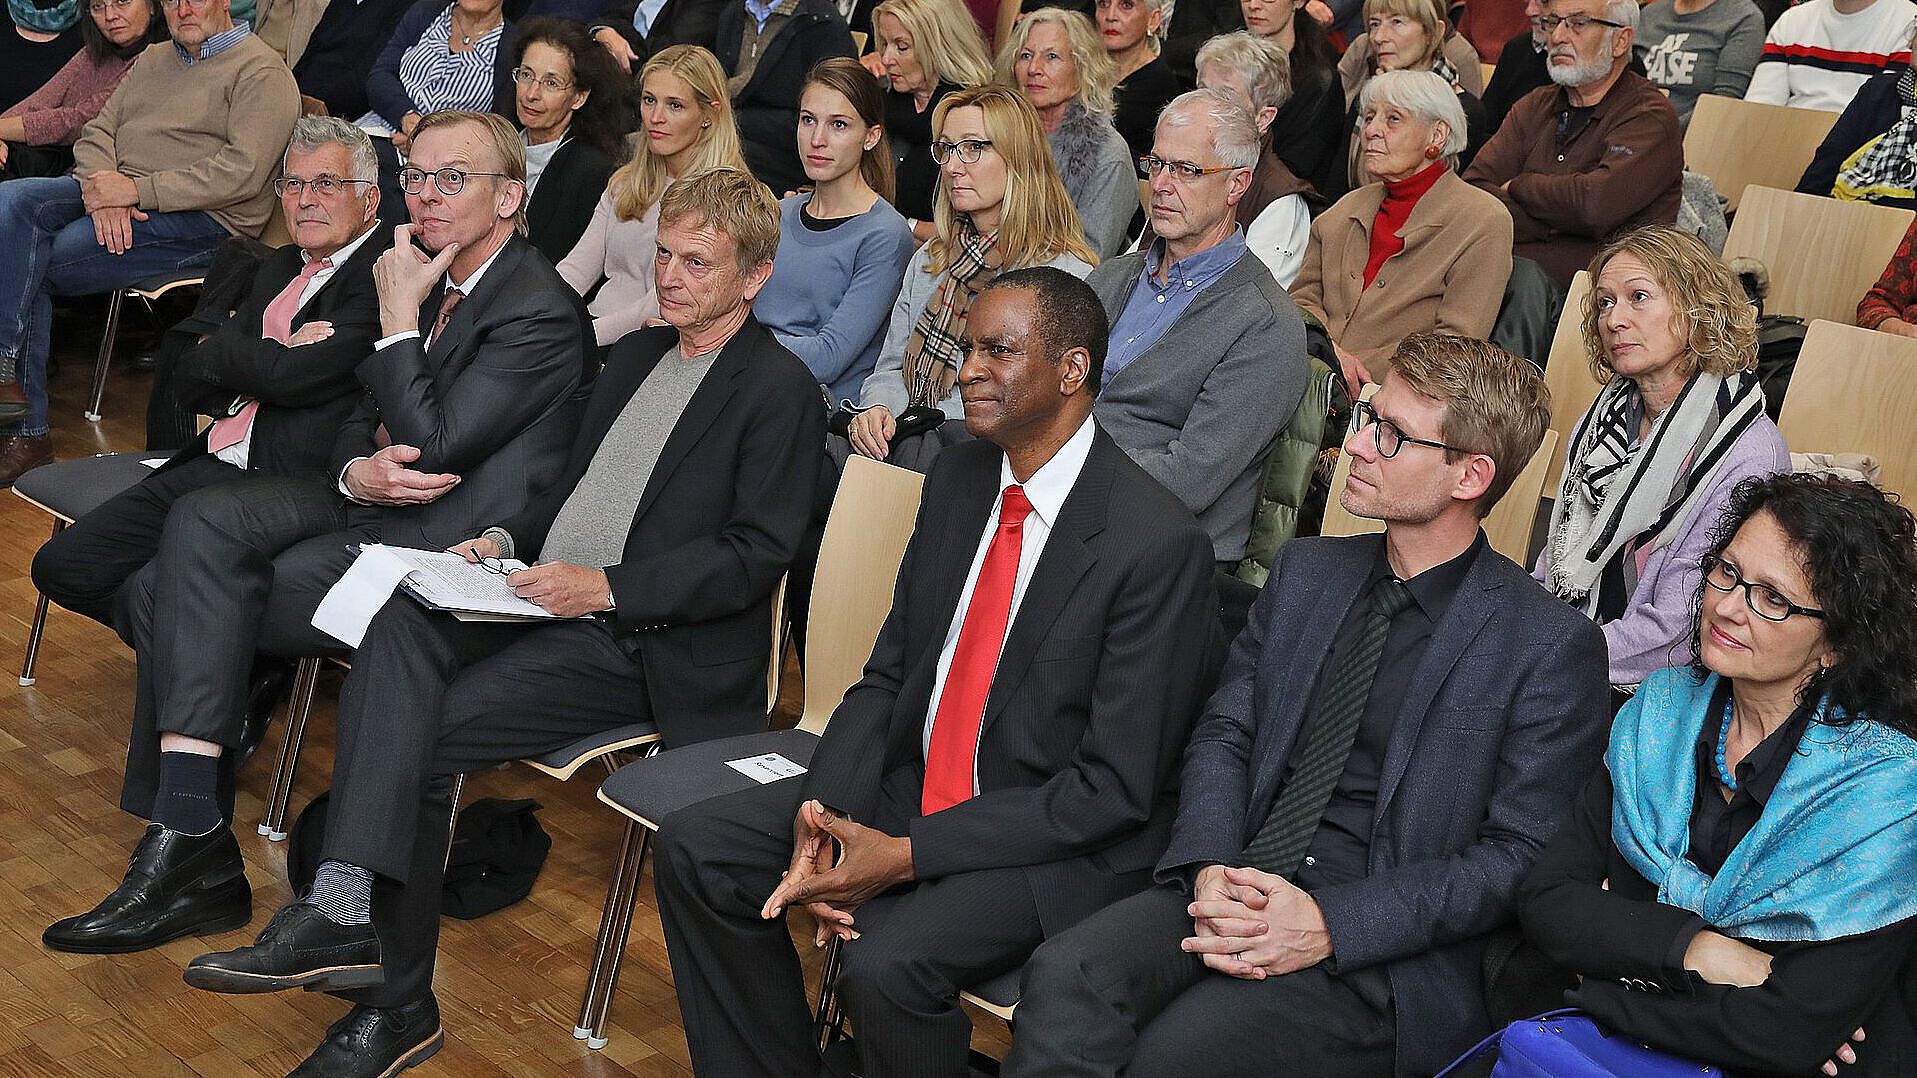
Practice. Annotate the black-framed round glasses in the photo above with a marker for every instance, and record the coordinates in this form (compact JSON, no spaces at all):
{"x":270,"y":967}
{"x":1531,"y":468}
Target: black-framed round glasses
{"x":1765,"y":601}
{"x":969,"y":150}
{"x":323,"y":186}
{"x":449,"y":181}
{"x":1386,"y":435}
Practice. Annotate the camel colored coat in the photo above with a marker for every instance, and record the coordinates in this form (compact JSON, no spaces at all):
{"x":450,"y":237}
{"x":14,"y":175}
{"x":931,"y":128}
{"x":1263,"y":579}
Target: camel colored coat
{"x":1449,"y":277}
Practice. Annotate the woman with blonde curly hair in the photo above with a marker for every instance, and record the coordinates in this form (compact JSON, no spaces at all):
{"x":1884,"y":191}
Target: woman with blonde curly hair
{"x":1679,"y":422}
{"x":925,"y":49}
{"x":685,"y":126}
{"x":1058,"y":62}
{"x":1000,"y":207}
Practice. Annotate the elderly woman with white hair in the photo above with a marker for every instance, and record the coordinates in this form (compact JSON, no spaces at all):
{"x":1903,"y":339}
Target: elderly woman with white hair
{"x":1277,"y":208}
{"x":1416,"y":250}
{"x":1054,"y":58}
{"x":1145,"y":84}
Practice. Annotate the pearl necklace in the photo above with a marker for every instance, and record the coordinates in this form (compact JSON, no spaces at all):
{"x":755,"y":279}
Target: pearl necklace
{"x":1723,"y":736}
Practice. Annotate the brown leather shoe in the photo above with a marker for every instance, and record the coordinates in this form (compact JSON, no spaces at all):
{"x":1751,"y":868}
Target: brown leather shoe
{"x":21,"y":453}
{"x":13,"y":402}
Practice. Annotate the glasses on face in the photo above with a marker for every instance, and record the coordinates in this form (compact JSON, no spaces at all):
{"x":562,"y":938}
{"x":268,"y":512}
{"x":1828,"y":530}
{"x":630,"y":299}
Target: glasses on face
{"x":449,"y":181}
{"x":1765,"y":601}
{"x":1386,"y":435}
{"x":99,"y":7}
{"x":323,"y":186}
{"x":551,"y":83}
{"x":1578,"y":23}
{"x":1150,"y":166}
{"x":969,"y":150}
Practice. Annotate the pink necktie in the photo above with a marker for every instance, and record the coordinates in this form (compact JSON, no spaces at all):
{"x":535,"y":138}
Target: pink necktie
{"x":276,"y":324}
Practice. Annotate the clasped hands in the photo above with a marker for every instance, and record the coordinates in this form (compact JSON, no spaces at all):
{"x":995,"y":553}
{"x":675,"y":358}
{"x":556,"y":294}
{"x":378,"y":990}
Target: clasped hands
{"x":1253,"y":925}
{"x":869,"y":862}
{"x":113,"y":202}
{"x":559,"y":588}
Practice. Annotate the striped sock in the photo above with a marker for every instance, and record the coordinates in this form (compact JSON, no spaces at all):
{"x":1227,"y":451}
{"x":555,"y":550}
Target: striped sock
{"x":343,"y":892}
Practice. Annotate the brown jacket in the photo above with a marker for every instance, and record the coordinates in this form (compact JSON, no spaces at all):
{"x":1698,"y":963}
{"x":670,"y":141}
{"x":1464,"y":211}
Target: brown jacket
{"x":1622,"y":169}
{"x":1450,"y":275}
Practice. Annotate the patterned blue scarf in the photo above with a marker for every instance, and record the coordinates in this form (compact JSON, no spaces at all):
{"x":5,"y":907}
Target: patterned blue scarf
{"x":1834,"y":853}
{"x":55,"y":18}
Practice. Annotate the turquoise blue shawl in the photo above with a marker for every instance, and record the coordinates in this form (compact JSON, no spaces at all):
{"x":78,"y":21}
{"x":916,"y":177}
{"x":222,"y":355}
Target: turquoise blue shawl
{"x":1834,"y":853}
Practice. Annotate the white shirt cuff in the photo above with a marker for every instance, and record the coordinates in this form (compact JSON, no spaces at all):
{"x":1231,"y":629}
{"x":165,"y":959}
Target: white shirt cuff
{"x":402,"y":335}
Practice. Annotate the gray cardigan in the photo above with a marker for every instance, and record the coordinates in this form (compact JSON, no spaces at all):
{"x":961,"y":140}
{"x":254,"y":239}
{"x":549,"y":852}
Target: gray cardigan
{"x":1201,"y":409}
{"x":886,"y":384}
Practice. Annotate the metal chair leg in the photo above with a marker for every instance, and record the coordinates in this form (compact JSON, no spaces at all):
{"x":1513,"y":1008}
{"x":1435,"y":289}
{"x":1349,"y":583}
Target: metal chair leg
{"x":115,"y":303}
{"x":452,"y":818}
{"x":622,"y":897}
{"x":299,"y":707}
{"x":39,"y":626}
{"x":826,"y":1020}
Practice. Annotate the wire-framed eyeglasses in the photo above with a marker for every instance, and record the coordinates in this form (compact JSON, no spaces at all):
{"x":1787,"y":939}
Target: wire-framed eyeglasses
{"x":323,"y":186}
{"x":969,"y":150}
{"x":449,"y":181}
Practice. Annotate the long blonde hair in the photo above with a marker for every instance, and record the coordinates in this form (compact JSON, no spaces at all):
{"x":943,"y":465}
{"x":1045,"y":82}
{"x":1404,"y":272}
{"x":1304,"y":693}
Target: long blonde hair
{"x":636,"y":187}
{"x":1097,"y":74}
{"x":950,"y":46}
{"x":1037,"y":221}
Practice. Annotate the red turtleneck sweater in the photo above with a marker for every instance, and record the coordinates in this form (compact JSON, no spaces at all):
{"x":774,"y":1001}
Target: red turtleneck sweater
{"x":1400,"y":197}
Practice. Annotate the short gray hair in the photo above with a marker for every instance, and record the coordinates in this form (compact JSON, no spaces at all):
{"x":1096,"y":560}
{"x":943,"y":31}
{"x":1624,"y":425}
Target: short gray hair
{"x":312,"y":132}
{"x":1624,"y":11}
{"x":1425,"y":95}
{"x":1234,"y":134}
{"x":1260,"y":62}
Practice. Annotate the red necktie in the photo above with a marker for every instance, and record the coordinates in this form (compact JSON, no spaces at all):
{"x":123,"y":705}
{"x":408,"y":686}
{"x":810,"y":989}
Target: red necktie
{"x":276,"y":324}
{"x":968,"y":681}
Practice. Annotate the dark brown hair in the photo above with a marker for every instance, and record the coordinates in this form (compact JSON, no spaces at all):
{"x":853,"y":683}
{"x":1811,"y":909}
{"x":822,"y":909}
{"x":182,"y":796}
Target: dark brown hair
{"x":856,"y":84}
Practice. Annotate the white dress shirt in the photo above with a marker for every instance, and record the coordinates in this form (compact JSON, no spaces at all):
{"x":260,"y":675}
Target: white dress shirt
{"x":1047,"y":490}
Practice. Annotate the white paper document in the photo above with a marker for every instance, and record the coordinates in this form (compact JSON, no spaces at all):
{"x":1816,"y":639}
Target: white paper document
{"x":441,"y":580}
{"x":154,"y":462}
{"x":768,"y":768}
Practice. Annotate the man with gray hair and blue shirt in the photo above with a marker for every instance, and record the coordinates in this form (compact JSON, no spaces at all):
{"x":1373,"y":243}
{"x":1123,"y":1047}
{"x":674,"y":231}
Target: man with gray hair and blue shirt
{"x":1207,"y":358}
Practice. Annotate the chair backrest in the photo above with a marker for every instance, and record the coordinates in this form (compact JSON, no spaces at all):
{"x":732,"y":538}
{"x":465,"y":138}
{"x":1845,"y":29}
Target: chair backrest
{"x":1823,"y":254}
{"x":1487,"y":70}
{"x":1737,"y":143}
{"x":1567,"y":374}
{"x":1338,"y":520}
{"x":1854,"y":390}
{"x":781,"y":628}
{"x":859,"y":556}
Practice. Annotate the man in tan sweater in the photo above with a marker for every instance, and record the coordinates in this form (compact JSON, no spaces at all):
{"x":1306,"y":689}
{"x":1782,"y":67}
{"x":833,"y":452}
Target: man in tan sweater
{"x":181,"y":158}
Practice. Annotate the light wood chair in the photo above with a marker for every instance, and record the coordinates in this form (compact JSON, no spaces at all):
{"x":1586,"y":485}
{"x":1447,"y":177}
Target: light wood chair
{"x":1487,"y":70}
{"x":1338,"y":520}
{"x":1567,"y":374}
{"x":1855,"y":390}
{"x":147,"y":292}
{"x":865,"y":536}
{"x":858,"y":42}
{"x":1738,"y":143}
{"x":1823,"y":254}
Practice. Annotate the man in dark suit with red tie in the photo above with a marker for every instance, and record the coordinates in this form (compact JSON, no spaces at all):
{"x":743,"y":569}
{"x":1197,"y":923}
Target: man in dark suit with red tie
{"x":1004,"y":767}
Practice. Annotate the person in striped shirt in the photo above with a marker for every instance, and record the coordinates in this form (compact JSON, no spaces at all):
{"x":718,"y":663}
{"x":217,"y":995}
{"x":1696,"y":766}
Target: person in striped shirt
{"x":1819,"y":53}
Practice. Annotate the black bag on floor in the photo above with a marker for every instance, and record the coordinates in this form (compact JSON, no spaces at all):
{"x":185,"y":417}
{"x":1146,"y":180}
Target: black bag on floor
{"x":1779,"y":338}
{"x":498,"y":849}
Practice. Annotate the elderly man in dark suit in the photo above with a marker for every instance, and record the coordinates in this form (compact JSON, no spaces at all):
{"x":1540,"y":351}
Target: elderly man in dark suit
{"x":683,"y":502}
{"x":468,"y":408}
{"x":279,"y":374}
{"x":1393,"y":740}
{"x":1003,"y":769}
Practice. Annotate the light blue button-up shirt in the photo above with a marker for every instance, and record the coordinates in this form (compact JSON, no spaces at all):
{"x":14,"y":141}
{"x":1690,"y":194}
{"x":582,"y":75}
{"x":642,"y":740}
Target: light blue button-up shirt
{"x":215,"y":45}
{"x":1153,"y":307}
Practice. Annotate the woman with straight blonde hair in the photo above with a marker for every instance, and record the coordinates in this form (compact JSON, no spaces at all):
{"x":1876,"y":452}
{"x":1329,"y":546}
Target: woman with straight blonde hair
{"x":685,"y":126}
{"x":924,"y":49}
{"x":1001,"y":207}
{"x":1059,"y":63}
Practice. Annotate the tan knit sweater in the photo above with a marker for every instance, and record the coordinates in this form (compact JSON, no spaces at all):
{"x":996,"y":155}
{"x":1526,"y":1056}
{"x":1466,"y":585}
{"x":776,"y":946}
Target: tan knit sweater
{"x":201,"y":137}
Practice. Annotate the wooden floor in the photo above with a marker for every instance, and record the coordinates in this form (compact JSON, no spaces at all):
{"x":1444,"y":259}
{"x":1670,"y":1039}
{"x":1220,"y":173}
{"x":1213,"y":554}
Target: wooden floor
{"x":508,"y":984}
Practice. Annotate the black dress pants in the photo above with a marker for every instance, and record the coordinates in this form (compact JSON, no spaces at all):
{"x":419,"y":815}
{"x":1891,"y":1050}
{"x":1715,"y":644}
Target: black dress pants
{"x":1116,"y":995}
{"x":84,"y":567}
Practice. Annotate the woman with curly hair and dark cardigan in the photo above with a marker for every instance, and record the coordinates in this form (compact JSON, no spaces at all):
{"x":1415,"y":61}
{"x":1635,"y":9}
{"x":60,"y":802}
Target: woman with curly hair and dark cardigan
{"x":1738,"y":885}
{"x":572,"y":118}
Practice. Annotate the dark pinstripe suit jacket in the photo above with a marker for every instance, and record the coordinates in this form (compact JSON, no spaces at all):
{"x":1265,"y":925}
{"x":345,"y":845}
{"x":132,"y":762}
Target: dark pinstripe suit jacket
{"x":1095,"y":691}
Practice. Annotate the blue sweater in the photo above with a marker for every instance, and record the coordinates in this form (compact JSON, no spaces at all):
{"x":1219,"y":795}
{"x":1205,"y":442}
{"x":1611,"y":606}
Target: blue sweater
{"x":831,"y":291}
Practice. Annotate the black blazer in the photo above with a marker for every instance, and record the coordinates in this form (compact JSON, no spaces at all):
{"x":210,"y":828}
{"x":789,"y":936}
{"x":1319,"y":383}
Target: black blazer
{"x":720,"y":521}
{"x":767,"y":107}
{"x":495,"y":400}
{"x":339,"y":57}
{"x":1095,"y":691}
{"x":562,"y":204}
{"x":679,"y":22}
{"x":1502,"y":721}
{"x":305,"y":393}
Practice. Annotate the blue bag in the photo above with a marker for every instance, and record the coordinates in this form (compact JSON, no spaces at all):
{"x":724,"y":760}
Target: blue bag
{"x":1567,"y":1044}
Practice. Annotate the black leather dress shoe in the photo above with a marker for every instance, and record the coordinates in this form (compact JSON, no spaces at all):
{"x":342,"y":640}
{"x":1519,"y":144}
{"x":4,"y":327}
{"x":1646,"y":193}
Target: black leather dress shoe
{"x":300,"y":948}
{"x":176,"y":885}
{"x":376,"y":1042}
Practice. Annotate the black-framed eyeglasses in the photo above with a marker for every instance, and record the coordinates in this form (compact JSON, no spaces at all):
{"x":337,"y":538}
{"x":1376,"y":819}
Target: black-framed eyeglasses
{"x":1765,"y":601}
{"x":449,"y":181}
{"x":1578,"y":23}
{"x":969,"y":150}
{"x":323,"y":186}
{"x":1150,"y":165}
{"x":1386,"y":435}
{"x":552,"y":83}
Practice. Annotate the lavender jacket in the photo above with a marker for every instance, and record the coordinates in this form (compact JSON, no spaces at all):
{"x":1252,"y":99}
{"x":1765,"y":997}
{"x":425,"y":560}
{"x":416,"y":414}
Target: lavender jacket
{"x":1654,"y":631}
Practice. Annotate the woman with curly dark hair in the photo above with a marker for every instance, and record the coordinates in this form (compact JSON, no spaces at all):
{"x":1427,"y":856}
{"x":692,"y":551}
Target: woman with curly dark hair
{"x":1739,"y":884}
{"x":573,"y":118}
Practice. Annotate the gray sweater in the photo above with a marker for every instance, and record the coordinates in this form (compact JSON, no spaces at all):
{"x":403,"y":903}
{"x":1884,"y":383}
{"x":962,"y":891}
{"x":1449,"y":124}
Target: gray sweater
{"x":1712,"y":51}
{"x":886,"y":384}
{"x":1100,"y":175}
{"x":1201,"y":409}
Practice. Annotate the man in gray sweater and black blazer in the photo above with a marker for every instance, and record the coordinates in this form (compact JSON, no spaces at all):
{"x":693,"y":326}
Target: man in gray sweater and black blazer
{"x":1207,"y":359}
